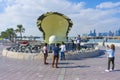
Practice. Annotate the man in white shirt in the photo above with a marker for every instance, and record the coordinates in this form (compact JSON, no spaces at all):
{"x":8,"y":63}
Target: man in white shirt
{"x":63,"y":49}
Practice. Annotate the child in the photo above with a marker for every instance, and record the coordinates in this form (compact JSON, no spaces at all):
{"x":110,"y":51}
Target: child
{"x":111,"y":57}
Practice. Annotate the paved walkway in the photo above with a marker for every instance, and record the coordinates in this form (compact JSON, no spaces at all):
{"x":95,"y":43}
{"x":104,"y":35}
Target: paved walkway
{"x":85,"y":69}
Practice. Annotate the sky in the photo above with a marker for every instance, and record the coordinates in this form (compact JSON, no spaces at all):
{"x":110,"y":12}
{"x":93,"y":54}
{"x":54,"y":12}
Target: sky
{"x":86,"y":15}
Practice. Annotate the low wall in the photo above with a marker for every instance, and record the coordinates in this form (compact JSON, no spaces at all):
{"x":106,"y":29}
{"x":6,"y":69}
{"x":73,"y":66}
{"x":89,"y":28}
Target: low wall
{"x":81,"y":55}
{"x":68,"y":55}
{"x":37,"y":56}
{"x":25,"y":56}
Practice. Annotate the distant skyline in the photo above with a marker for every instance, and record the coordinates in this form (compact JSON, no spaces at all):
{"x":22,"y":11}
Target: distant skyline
{"x":101,"y":15}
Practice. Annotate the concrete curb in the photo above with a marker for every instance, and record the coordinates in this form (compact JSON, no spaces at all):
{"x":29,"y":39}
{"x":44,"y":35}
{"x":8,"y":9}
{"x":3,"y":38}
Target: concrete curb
{"x":38,"y":56}
{"x":81,"y":55}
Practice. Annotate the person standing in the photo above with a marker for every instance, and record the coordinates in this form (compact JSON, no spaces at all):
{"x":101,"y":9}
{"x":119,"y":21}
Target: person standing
{"x":78,"y":42}
{"x":111,"y":57}
{"x":75,"y":43}
{"x":62,"y":51}
{"x":56,"y":51}
{"x":45,"y":52}
{"x":105,"y":40}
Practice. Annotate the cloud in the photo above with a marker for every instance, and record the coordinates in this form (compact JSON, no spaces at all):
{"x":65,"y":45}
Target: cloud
{"x":26,"y":12}
{"x":109,"y":5}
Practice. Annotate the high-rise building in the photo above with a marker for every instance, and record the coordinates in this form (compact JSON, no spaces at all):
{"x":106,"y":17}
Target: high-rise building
{"x":92,"y":33}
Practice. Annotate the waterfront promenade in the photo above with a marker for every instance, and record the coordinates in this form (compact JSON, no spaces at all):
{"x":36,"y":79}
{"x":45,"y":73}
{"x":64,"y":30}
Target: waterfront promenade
{"x":84,"y":69}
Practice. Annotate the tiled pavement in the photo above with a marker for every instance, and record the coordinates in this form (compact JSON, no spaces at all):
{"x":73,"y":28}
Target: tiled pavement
{"x":85,"y":69}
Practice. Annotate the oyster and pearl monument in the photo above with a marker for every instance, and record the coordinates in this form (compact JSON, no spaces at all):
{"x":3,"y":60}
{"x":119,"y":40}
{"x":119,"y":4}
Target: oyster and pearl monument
{"x":54,"y":26}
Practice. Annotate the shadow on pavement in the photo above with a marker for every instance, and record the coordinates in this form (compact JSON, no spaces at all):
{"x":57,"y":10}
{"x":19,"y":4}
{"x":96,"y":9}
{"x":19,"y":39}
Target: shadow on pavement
{"x":64,"y":63}
{"x":117,"y":70}
{"x":83,"y":66}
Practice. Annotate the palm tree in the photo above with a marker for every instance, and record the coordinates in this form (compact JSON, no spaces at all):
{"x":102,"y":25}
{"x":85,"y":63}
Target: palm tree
{"x":20,"y":30}
{"x":11,"y":33}
{"x":4,"y":34}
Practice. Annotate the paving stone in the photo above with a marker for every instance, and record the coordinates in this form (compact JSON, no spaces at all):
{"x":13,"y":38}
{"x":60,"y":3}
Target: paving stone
{"x":84,"y":69}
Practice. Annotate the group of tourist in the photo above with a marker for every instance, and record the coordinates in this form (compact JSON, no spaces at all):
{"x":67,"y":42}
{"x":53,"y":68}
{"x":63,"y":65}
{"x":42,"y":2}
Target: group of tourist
{"x":56,"y":49}
{"x":62,"y":49}
{"x":77,"y":42}
{"x":74,"y":44}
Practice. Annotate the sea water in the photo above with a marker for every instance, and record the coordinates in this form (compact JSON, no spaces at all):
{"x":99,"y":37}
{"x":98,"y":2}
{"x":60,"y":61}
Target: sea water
{"x":101,"y":40}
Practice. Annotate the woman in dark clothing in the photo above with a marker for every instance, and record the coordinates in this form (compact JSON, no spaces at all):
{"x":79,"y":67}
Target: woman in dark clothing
{"x":56,"y":51}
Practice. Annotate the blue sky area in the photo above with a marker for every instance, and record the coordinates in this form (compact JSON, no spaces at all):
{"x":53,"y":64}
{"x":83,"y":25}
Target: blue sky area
{"x":2,"y":5}
{"x":92,"y":3}
{"x":86,"y":15}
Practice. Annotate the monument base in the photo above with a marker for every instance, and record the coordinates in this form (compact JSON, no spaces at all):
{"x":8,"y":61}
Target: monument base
{"x":37,"y":56}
